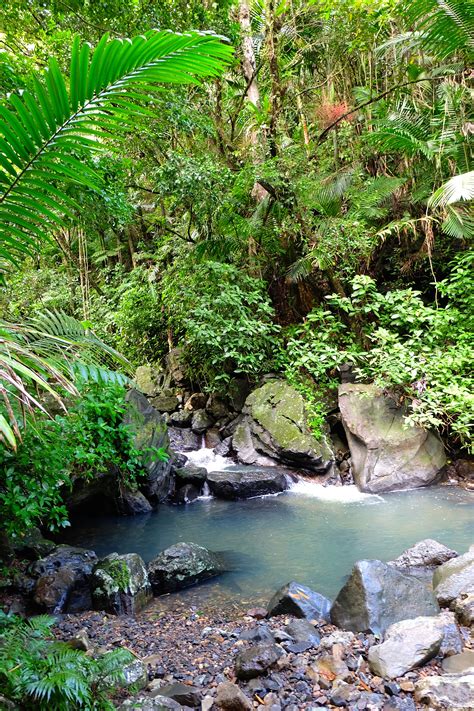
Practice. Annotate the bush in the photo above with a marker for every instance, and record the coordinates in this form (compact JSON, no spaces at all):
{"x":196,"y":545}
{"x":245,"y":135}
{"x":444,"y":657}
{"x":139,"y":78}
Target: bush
{"x":223,"y":318}
{"x":422,"y":352}
{"x":90,"y":440}
{"x":41,"y":673}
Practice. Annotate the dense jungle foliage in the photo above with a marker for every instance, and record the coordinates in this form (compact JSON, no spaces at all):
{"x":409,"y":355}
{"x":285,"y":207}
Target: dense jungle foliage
{"x":289,"y":191}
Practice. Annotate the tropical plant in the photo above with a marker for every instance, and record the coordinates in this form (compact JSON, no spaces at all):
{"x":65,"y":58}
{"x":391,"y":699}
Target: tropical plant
{"x":44,"y":132}
{"x":41,"y":673}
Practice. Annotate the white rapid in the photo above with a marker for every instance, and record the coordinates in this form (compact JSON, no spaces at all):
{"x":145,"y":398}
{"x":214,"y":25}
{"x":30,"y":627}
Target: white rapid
{"x":206,"y":458}
{"x":342,"y":494}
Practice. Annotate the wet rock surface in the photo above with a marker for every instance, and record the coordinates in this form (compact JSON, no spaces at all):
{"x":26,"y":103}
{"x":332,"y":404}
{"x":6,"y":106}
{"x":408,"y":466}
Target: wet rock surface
{"x":300,"y":601}
{"x":120,"y":584}
{"x":385,"y":454}
{"x":230,"y":484}
{"x":181,"y":566}
{"x":377,"y":595}
{"x":454,"y":578}
{"x":427,"y":554}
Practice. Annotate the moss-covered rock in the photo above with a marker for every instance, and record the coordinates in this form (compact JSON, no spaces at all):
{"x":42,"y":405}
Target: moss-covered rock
{"x":181,"y":566}
{"x":275,"y":427}
{"x":120,"y":584}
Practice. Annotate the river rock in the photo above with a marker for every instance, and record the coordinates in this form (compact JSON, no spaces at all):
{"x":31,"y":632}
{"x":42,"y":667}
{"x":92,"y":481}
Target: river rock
{"x":217,"y":407}
{"x":407,"y":644}
{"x":182,"y":439}
{"x":135,"y":674}
{"x":146,"y":380}
{"x":230,"y":698}
{"x":201,"y":422}
{"x":186,"y":494}
{"x":426,"y":554}
{"x":386,"y":455}
{"x":261,"y":633}
{"x":147,"y":703}
{"x":183,"y":694}
{"x":453,"y":692}
{"x":182,"y":418}
{"x":274,"y":426}
{"x":256,"y":660}
{"x":453,"y":578}
{"x":133,"y":503}
{"x":300,"y":601}
{"x":63,"y":579}
{"x":463,"y":607}
{"x":462,"y":663}
{"x":197,"y":401}
{"x":181,"y":566}
{"x":303,"y":631}
{"x":149,"y":432}
{"x":377,"y":595}
{"x":452,"y":641}
{"x":31,"y":544}
{"x":120,"y":584}
{"x":230,"y":484}
{"x":165,"y":402}
{"x":191,"y":474}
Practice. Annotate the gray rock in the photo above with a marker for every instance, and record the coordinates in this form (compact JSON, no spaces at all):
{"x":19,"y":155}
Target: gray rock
{"x":300,"y":601}
{"x":459,"y":663}
{"x":146,"y":703}
{"x":341,"y":693}
{"x":133,"y":503}
{"x":262,"y":633}
{"x":186,"y":494}
{"x":165,"y":403}
{"x":407,"y":645}
{"x":454,"y":578}
{"x":256,"y":660}
{"x":463,"y":607}
{"x":217,"y":407}
{"x":181,"y":566}
{"x":303,"y":631}
{"x":453,"y":692}
{"x":182,"y":418}
{"x":182,"y":693}
{"x":183,"y":439}
{"x":386,"y":455}
{"x":230,"y":484}
{"x":191,"y":474}
{"x":377,"y":595}
{"x":201,"y":422}
{"x":197,"y":401}
{"x":135,"y":674}
{"x":452,"y":641}
{"x":397,"y":703}
{"x":120,"y":584}
{"x":31,"y":545}
{"x":63,"y":579}
{"x":223,"y":448}
{"x":147,"y":379}
{"x":230,"y":698}
{"x":274,"y":426}
{"x":425,"y":554}
{"x":149,"y":432}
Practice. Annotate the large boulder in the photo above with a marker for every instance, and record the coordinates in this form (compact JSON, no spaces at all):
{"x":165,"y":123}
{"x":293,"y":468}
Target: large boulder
{"x":463,"y":607}
{"x":120,"y":584}
{"x":190,"y":474}
{"x":181,"y":566}
{"x":454,"y":692}
{"x":377,"y":595}
{"x":274,"y":427}
{"x":386,"y":454}
{"x":149,"y":433}
{"x":427,"y":554}
{"x":407,"y":644}
{"x":300,"y":601}
{"x":63,"y":579}
{"x":182,"y":439}
{"x":253,"y":481}
{"x":454,"y":578}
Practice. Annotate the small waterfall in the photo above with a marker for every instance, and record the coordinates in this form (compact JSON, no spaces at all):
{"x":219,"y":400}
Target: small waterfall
{"x":206,"y":458}
{"x":341,"y":494}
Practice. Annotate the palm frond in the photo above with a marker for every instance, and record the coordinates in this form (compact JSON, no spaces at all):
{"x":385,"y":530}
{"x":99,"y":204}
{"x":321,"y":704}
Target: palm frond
{"x":446,"y":27}
{"x":457,"y":189}
{"x":45,"y":130}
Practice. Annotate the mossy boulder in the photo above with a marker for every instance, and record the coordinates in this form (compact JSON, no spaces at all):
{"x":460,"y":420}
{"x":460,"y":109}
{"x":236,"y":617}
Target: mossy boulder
{"x":181,"y":566}
{"x":387,"y":454}
{"x":275,"y":428}
{"x":120,"y":584}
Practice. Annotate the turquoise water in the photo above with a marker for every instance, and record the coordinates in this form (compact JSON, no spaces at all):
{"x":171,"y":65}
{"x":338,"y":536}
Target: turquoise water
{"x":309,"y":534}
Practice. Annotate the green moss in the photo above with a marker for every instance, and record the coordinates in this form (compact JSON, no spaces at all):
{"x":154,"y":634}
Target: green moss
{"x":118,"y":571}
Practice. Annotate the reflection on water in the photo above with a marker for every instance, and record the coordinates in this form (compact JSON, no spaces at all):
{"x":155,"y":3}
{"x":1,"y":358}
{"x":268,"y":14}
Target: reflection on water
{"x":303,"y":534}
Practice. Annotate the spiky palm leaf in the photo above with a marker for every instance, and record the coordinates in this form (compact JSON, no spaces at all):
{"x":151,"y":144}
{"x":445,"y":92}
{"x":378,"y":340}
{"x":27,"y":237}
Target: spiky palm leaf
{"x":45,"y":130}
{"x":445,"y":27}
{"x":48,"y":354}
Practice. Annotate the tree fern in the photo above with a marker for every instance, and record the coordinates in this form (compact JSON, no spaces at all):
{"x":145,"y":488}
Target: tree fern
{"x":445,"y":27}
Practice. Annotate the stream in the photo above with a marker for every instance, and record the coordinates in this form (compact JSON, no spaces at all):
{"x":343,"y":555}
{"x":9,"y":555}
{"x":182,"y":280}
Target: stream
{"x":310,"y":534}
